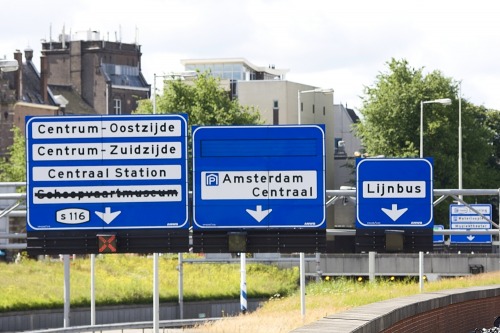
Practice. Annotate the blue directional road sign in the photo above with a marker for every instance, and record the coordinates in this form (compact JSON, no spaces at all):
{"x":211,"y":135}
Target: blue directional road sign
{"x":394,"y":192}
{"x":438,"y":239}
{"x":464,"y":218}
{"x":250,"y":177}
{"x":107,"y":172}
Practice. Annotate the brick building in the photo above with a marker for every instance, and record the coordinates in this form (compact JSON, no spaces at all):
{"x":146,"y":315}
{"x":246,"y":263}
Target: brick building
{"x":106,"y":75}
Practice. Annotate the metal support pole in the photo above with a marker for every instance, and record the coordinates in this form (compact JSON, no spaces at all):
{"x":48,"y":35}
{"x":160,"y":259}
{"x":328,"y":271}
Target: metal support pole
{"x":92,"y":289}
{"x":460,"y":172}
{"x":66,"y":290}
{"x":154,"y":93}
{"x":371,"y":266}
{"x":421,"y":270}
{"x":302,"y":285}
{"x":156,"y":295}
{"x":243,"y":283}
{"x":298,"y":108}
{"x":319,"y":273}
{"x":180,"y":268}
{"x":421,"y":129}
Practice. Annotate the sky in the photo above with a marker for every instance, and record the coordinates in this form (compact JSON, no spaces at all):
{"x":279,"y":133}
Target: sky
{"x":342,"y":45}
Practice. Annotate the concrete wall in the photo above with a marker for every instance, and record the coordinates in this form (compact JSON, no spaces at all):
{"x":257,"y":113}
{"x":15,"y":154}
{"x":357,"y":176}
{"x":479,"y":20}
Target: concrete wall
{"x":401,"y":264}
{"x":44,"y":319}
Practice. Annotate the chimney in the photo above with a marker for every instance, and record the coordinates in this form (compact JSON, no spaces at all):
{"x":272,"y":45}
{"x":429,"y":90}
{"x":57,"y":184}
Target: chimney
{"x":18,"y":78}
{"x":43,"y":79}
{"x":28,"y":53}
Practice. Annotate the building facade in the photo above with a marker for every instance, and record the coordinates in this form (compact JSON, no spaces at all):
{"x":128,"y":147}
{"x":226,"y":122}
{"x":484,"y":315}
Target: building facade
{"x":106,"y":75}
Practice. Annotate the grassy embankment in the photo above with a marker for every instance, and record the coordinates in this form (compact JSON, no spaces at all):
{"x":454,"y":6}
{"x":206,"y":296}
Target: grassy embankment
{"x":329,"y":297}
{"x":122,"y":279}
{"x":128,"y":279}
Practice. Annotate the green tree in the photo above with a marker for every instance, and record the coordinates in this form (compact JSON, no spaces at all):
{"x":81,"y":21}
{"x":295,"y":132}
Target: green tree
{"x":13,"y":167}
{"x":390,"y":125}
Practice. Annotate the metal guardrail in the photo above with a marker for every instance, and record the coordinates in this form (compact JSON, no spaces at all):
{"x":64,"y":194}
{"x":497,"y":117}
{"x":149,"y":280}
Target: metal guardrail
{"x":332,"y":194}
{"x":127,"y":326}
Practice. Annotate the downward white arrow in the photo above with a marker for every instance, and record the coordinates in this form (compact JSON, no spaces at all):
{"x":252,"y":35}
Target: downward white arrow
{"x":259,"y":214}
{"x":107,"y":216}
{"x":394,"y":213}
{"x":470,"y":237}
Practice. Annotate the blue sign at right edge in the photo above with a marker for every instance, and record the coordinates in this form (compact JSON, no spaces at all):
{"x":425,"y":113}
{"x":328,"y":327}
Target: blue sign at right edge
{"x":464,"y":218}
{"x":394,"y":192}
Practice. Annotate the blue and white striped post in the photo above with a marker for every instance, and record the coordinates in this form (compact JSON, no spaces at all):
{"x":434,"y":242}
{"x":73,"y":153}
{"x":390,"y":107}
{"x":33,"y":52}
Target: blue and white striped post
{"x":243,"y":283}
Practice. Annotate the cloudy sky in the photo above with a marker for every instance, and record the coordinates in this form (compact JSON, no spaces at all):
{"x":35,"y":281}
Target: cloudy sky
{"x":330,"y":44}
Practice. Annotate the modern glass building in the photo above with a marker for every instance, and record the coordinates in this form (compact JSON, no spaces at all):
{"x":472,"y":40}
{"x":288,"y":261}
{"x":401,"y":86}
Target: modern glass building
{"x":234,"y":70}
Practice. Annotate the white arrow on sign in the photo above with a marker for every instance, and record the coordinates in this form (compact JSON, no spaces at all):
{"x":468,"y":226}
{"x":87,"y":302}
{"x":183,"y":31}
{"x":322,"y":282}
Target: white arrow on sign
{"x":259,"y":214}
{"x":107,"y":216}
{"x":394,"y":213}
{"x":470,"y":237}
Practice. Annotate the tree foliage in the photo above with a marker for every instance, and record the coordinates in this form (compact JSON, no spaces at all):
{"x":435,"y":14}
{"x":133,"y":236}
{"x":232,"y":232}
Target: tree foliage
{"x":13,"y":167}
{"x":390,"y":126}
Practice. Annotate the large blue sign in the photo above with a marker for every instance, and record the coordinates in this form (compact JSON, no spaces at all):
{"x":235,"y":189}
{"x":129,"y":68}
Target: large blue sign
{"x":394,"y":192}
{"x":463,"y":217}
{"x":106,"y":172}
{"x":251,"y":177}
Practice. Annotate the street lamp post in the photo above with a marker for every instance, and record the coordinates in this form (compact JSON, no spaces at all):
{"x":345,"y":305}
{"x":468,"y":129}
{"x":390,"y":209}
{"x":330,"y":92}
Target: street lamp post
{"x":317,"y":90}
{"x":460,"y":137}
{"x":444,"y":101}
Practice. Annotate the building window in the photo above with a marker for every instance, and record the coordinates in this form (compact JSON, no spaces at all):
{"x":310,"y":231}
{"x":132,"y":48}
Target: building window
{"x":324,"y":110}
{"x":117,"y":106}
{"x":313,"y":108}
{"x":276,"y":119}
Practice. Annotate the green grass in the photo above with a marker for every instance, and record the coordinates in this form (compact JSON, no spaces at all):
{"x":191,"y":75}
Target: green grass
{"x":128,"y":279}
{"x":283,"y":314}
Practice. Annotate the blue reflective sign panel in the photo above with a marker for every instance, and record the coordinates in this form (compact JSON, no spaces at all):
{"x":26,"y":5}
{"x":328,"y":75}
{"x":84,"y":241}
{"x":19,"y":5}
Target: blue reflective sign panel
{"x":259,"y":177}
{"x":394,"y":192}
{"x":465,"y":218}
{"x":107,"y":172}
{"x":438,"y":239}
